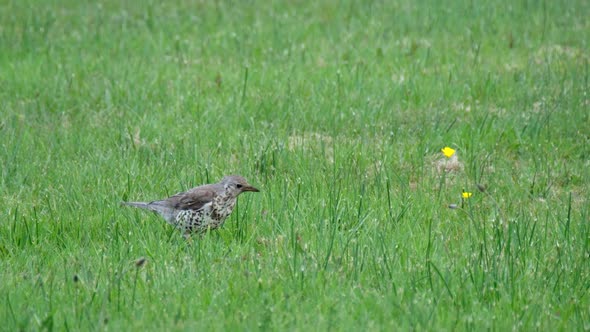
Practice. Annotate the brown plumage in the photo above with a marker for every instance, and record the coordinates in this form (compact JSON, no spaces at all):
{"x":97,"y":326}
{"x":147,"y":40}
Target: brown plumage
{"x":200,"y":208}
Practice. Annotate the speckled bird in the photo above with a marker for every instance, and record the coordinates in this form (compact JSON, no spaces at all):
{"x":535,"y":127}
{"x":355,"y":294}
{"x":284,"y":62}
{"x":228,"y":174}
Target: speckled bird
{"x":202,"y":208}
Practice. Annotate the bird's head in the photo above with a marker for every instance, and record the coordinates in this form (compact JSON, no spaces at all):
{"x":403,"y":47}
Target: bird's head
{"x":235,"y":185}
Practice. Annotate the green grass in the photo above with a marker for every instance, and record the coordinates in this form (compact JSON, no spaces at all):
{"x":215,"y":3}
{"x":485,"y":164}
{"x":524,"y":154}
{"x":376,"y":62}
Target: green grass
{"x":337,"y":110}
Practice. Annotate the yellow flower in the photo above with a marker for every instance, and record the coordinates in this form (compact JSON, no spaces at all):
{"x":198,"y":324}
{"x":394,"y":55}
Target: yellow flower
{"x":448,"y":152}
{"x":466,"y":194}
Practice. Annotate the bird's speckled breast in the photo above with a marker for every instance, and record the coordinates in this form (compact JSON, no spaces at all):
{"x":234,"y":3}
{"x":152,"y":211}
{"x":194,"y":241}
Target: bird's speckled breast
{"x":222,"y":207}
{"x":210,"y":216}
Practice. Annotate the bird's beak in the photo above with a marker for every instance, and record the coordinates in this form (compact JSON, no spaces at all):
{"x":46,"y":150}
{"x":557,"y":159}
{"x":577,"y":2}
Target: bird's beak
{"x":250,"y":188}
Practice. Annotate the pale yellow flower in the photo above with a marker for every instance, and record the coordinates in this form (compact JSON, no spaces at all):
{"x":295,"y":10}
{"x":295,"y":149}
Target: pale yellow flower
{"x":448,"y":152}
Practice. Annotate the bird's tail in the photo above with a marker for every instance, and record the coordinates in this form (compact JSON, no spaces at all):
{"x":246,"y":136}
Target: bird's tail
{"x":168,"y":213}
{"x":141,"y":205}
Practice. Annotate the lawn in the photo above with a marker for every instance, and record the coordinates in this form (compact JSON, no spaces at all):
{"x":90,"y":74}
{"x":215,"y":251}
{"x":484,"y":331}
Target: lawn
{"x":337,"y":111}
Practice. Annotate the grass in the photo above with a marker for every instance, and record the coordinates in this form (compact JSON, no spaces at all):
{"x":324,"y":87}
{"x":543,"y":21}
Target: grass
{"x":337,"y":110}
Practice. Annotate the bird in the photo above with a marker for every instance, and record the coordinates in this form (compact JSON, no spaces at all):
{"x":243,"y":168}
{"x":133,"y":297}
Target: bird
{"x":202,"y":208}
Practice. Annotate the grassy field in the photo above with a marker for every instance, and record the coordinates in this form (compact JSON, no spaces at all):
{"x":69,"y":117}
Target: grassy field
{"x":337,"y":111}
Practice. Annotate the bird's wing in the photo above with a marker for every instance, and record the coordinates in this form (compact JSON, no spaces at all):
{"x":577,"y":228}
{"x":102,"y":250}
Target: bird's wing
{"x":193,"y":199}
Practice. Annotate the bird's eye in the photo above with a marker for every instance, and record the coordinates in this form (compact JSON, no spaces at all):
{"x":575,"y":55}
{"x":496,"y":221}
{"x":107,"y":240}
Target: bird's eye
{"x":239,"y":186}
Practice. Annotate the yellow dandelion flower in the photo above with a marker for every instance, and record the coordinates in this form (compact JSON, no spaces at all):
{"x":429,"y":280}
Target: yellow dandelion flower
{"x":466,"y":194}
{"x":448,"y":152}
